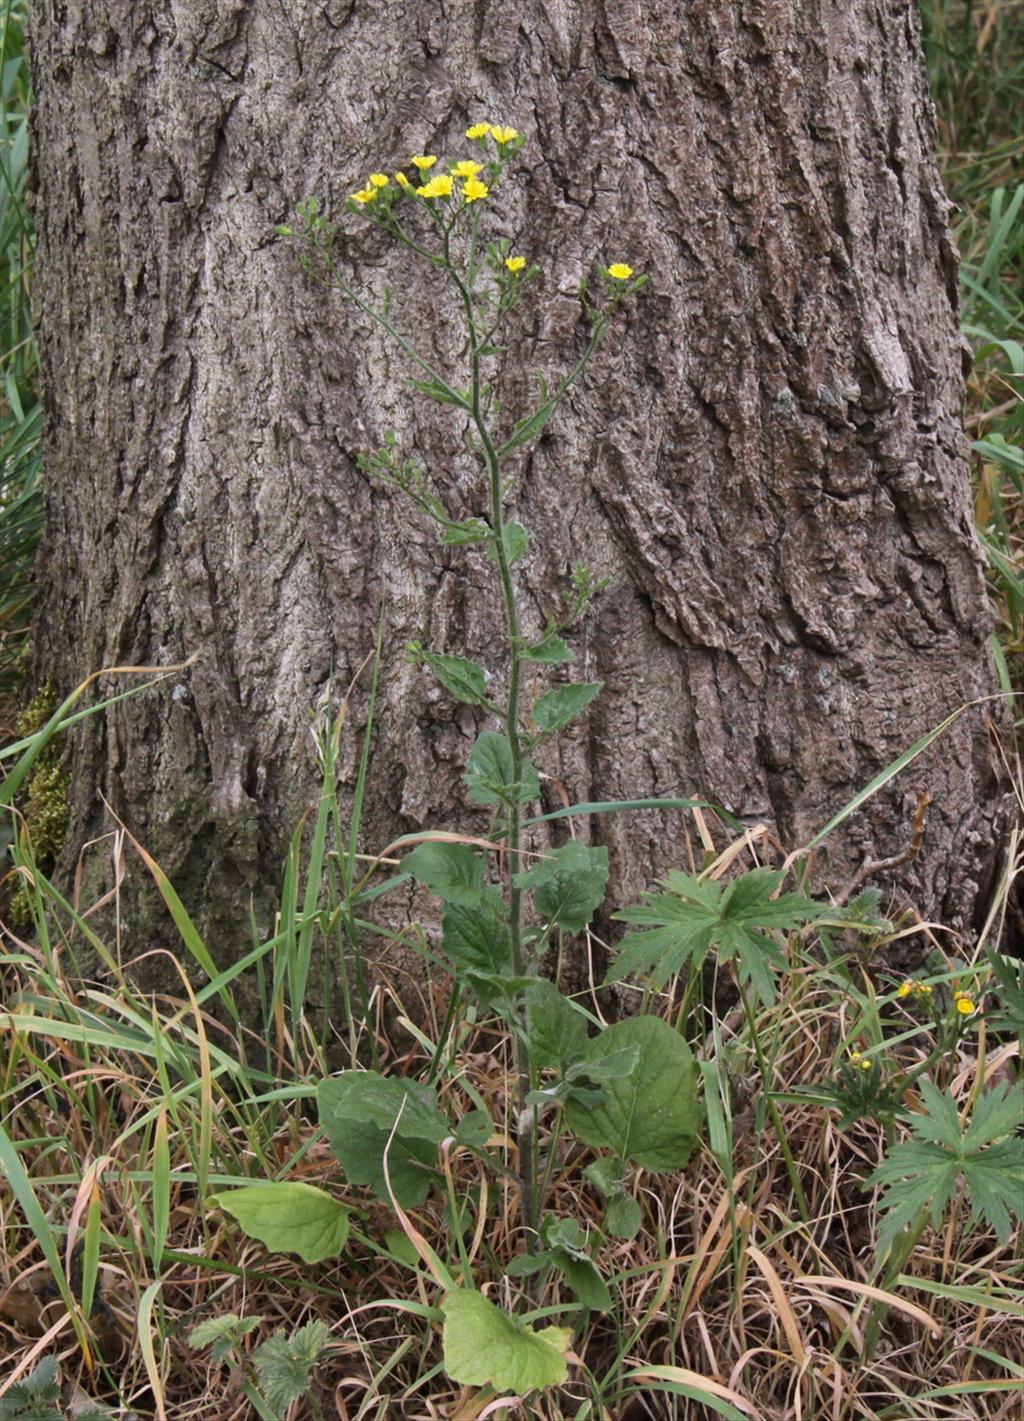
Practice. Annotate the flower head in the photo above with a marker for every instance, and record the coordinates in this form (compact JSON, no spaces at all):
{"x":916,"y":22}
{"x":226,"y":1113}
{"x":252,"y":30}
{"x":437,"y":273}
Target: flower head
{"x":379,"y":180}
{"x":502,"y":136}
{"x":619,"y":271}
{"x":861,"y":1062}
{"x":423,"y":161}
{"x":515,"y":263}
{"x":478,"y":130}
{"x":964,"y":1005}
{"x":467,"y":169}
{"x":474,"y":189}
{"x":438,"y":187}
{"x":905,"y":989}
{"x":403,"y":181}
{"x":368,"y":194}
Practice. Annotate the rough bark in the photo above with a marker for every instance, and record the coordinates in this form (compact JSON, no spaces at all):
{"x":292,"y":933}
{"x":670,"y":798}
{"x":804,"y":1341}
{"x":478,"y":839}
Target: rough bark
{"x":767,"y":460}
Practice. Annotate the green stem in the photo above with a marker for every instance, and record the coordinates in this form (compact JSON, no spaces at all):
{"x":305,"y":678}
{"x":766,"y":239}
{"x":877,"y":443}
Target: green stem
{"x":773,"y":1109}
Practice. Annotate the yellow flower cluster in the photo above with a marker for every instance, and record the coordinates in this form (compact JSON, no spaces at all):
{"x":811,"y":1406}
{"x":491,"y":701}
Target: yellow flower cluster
{"x":502,"y":136}
{"x":440,"y":186}
{"x":859,"y":1061}
{"x":913,"y":988}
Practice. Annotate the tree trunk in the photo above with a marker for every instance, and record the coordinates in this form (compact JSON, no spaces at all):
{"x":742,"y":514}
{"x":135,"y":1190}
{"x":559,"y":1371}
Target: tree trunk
{"x":767,"y":459}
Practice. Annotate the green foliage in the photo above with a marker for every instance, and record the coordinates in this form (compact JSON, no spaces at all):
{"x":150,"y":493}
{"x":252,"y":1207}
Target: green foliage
{"x":558,"y":708}
{"x":484,"y":1346}
{"x":223,"y":1335}
{"x":652,"y":1115}
{"x":494,"y":776}
{"x":982,"y":1162}
{"x":37,"y":1398}
{"x":285,"y":1364}
{"x":695,"y":915}
{"x":383,"y":1129}
{"x":289,"y":1217}
{"x":568,"y":884}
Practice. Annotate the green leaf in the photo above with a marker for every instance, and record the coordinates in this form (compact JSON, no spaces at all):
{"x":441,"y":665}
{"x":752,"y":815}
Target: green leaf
{"x":490,"y":776}
{"x":223,"y":1335}
{"x":358,"y":1111}
{"x":475,"y":1129}
{"x":515,"y":538}
{"x":569,"y":1252}
{"x":984,"y":1161}
{"x":476,"y":933}
{"x":651,"y":1116}
{"x":568,"y":884}
{"x":465,"y":679}
{"x":455,"y":872}
{"x":623,"y":1216}
{"x":444,"y":394}
{"x":555,"y":709}
{"x":695,"y":915}
{"x":289,"y":1217}
{"x":552,"y":651}
{"x":470,"y":530}
{"x":286,"y":1364}
{"x":484,"y":1346}
{"x":557,"y":1033}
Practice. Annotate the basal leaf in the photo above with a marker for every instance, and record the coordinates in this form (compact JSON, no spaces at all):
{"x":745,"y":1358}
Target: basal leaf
{"x":651,"y":1116}
{"x":289,"y":1217}
{"x":359,"y":1110}
{"x":484,"y":1346}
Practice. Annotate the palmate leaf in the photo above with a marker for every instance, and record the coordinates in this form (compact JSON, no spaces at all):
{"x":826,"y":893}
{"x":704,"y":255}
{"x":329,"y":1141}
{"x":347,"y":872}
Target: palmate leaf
{"x":695,"y":915}
{"x":985,"y":1161}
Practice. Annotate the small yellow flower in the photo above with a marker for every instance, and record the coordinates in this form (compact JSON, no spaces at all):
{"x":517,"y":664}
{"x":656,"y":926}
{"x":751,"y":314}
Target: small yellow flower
{"x":479,"y":130}
{"x":423,"y":161}
{"x":905,"y":989}
{"x":923,"y":989}
{"x":856,"y":1059}
{"x":502,"y":136}
{"x":467,"y":169}
{"x":438,"y":187}
{"x":367,"y":195}
{"x":403,"y":181}
{"x":474,"y":189}
{"x":964,"y":1005}
{"x":620,"y":271}
{"x":379,"y":180}
{"x":515,"y":263}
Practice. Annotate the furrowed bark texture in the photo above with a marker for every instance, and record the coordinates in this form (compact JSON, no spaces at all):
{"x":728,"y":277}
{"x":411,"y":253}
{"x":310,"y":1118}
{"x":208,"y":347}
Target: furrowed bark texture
{"x":766,"y":458}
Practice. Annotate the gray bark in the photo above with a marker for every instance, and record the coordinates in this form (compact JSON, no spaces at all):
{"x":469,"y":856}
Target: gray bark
{"x":767,"y":459}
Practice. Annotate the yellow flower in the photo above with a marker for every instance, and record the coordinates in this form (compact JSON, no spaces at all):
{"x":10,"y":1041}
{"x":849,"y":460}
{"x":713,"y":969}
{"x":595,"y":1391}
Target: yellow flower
{"x":475,"y":189}
{"x":515,"y":263}
{"x":378,"y":180}
{"x":367,"y":195}
{"x":438,"y":187}
{"x":423,"y":161}
{"x":479,"y":130}
{"x":856,"y":1059}
{"x":905,"y":989}
{"x":923,"y":989}
{"x":502,"y":136}
{"x":467,"y":169}
{"x":403,"y":181}
{"x":964,"y":1005}
{"x":620,"y":271}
